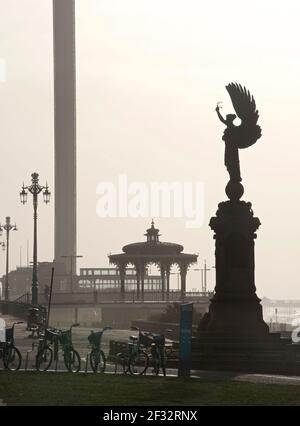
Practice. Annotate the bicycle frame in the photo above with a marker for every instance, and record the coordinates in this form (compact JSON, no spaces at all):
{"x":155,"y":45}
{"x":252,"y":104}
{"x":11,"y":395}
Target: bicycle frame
{"x":65,"y":339}
{"x":140,"y":340}
{"x":95,"y":339}
{"x":51,"y":338}
{"x":10,"y":339}
{"x":158,"y":350}
{"x":8,"y":347}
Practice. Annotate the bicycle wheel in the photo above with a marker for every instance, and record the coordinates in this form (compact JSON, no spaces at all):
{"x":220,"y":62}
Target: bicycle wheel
{"x":97,"y":361}
{"x":126,"y":366}
{"x":138,"y":363}
{"x":72,"y":361}
{"x":159,"y":361}
{"x":12,"y":358}
{"x":44,"y":359}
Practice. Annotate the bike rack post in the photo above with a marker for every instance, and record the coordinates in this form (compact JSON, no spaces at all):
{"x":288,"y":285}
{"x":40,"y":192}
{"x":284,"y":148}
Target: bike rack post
{"x":86,"y":363}
{"x":116,"y":365}
{"x":56,"y":362}
{"x":34,"y":344}
{"x":26,"y":362}
{"x":117,"y":359}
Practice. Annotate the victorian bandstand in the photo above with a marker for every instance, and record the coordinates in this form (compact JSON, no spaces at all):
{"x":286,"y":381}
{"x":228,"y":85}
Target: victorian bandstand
{"x":153,"y":251}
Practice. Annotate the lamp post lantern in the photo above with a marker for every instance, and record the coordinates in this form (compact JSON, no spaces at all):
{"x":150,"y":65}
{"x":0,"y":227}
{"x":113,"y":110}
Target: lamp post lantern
{"x":35,"y":189}
{"x":7,"y":227}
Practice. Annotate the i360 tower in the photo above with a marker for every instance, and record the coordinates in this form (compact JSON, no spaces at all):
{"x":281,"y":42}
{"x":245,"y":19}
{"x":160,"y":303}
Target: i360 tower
{"x":65,"y":130}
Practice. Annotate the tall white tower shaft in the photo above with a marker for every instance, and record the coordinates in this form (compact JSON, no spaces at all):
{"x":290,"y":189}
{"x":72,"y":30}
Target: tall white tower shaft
{"x":65,"y":130}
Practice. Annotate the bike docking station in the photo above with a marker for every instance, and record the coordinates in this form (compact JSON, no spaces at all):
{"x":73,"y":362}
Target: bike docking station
{"x":185,"y":340}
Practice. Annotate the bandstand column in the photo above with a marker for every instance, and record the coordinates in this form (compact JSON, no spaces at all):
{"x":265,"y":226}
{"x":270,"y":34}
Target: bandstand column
{"x":168,"y":271}
{"x":163,"y":280}
{"x":122,"y":269}
{"x":142,"y":282}
{"x":183,"y":272}
{"x":138,"y":280}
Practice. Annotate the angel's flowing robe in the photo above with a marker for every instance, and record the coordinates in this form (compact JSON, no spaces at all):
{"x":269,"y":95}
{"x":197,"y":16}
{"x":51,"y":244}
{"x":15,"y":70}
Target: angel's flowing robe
{"x":231,"y":160}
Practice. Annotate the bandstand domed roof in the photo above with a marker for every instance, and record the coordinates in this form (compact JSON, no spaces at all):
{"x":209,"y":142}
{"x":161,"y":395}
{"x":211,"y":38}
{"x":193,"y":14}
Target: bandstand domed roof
{"x":153,"y":245}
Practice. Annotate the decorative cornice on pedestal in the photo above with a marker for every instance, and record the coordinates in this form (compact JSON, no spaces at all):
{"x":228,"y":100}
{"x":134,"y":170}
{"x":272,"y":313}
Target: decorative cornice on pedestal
{"x":235,"y":217}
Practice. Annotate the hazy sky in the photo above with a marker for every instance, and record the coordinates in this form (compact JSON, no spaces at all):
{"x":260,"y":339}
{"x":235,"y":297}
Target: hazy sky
{"x":149,"y":74}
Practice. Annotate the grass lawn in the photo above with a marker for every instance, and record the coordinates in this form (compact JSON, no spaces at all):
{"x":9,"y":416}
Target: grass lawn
{"x":31,"y":388}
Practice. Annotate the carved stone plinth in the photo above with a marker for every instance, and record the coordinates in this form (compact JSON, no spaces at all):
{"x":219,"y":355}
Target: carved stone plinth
{"x":235,"y":307}
{"x":233,"y":334}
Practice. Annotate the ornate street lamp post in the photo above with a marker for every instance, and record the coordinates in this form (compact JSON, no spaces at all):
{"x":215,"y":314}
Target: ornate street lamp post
{"x":203,"y":271}
{"x":7,"y":227}
{"x":2,"y":244}
{"x":35,"y":189}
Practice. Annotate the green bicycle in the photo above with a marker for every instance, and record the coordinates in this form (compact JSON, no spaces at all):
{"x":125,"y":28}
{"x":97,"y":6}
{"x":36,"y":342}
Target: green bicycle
{"x":138,"y":360}
{"x":49,"y":346}
{"x":47,"y":349}
{"x":158,"y":353}
{"x":71,"y":356}
{"x":12,"y":358}
{"x":149,"y":349}
{"x":97,"y":357}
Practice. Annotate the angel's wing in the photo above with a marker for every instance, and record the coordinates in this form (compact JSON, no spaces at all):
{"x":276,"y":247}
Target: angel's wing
{"x":243,"y":103}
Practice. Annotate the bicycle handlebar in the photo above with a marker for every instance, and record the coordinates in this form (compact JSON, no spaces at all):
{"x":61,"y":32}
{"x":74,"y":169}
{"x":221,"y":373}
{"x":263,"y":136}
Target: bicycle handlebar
{"x":16,"y":323}
{"x":75,"y":325}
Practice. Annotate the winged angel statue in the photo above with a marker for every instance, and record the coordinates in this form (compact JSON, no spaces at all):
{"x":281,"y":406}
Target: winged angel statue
{"x":242,"y":136}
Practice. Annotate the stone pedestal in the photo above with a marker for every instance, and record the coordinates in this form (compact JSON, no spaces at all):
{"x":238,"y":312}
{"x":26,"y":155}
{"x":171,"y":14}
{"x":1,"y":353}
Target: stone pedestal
{"x":235,"y":307}
{"x":233,"y":335}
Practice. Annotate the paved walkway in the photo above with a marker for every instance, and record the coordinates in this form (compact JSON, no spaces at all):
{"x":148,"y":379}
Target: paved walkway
{"x":216,"y":376}
{"x":81,"y":344}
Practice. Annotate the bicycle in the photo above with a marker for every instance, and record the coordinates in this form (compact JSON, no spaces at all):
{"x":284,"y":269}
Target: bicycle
{"x":158,"y":353}
{"x":45,"y":352}
{"x":138,"y":361}
{"x":71,"y":356}
{"x":55,"y":337}
{"x":12,"y":358}
{"x":97,"y":357}
{"x":36,"y":322}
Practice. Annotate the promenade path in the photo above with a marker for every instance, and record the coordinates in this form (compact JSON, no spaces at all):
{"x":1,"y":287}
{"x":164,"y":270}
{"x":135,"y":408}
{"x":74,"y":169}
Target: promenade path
{"x":79,"y":337}
{"x":81,"y":345}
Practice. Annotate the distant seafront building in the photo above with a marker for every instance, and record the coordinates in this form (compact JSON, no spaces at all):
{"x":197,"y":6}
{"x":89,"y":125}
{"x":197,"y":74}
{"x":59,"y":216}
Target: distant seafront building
{"x":20,"y":279}
{"x":65,"y":131}
{"x":108,"y":279}
{"x":89,"y":280}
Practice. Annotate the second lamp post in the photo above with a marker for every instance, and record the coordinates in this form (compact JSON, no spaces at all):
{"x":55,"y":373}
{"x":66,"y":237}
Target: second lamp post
{"x":35,"y":189}
{"x":7,"y":227}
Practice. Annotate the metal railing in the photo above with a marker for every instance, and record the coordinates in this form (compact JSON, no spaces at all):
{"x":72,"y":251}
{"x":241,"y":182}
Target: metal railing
{"x":84,"y":298}
{"x":25,"y":298}
{"x":19,"y":307}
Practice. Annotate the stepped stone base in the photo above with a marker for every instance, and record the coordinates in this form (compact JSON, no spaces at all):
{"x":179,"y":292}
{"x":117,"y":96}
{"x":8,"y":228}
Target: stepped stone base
{"x":269,"y":354}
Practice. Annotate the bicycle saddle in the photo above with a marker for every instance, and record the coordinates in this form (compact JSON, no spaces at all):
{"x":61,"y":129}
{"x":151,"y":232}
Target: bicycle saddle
{"x":133,"y":337}
{"x":159,"y":339}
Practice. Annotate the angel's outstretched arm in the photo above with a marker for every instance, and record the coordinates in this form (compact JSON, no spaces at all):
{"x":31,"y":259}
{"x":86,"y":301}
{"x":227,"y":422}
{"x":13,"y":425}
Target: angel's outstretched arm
{"x":220,"y":115}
